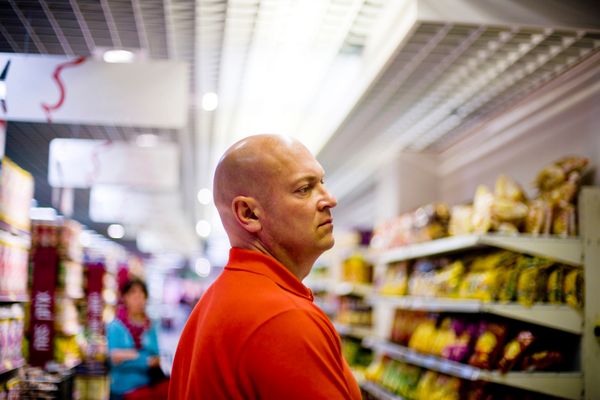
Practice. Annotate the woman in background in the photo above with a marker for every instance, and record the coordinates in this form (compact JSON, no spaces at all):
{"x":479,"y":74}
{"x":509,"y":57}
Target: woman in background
{"x":133,"y":347}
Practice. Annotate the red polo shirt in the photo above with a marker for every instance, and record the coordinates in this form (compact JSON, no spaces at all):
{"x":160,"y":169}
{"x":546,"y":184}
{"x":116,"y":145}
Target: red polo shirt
{"x":256,"y":334}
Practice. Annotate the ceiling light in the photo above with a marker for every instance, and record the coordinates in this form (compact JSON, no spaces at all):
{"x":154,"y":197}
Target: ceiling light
{"x":118,"y":56}
{"x":202,"y":267}
{"x":204,"y":196}
{"x":116,"y":231}
{"x":210,"y":101}
{"x":146,"y":140}
{"x":203,"y":228}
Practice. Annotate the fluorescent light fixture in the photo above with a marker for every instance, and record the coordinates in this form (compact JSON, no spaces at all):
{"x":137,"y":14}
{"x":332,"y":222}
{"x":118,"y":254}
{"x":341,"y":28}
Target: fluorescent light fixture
{"x":116,"y":231}
{"x":204,"y":196}
{"x":210,"y":101}
{"x":118,"y":56}
{"x":202,"y":267}
{"x":2,"y":90}
{"x":146,"y":140}
{"x":203,"y":228}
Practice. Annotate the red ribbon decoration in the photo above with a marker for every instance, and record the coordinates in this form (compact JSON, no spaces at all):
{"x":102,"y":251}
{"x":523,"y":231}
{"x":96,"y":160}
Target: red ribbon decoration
{"x":56,"y":75}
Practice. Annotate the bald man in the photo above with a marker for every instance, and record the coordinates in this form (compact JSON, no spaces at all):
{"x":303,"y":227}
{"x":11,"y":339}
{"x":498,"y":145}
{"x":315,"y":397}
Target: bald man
{"x":256,"y":333}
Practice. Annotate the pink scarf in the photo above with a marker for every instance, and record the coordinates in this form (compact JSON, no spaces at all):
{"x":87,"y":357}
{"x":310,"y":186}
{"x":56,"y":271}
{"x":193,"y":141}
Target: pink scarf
{"x":136,"y":329}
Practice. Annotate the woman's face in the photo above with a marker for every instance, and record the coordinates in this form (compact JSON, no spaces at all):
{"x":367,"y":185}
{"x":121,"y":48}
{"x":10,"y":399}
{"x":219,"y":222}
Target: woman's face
{"x":135,"y":300}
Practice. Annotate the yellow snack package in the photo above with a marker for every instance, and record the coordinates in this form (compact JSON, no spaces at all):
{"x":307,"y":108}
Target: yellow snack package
{"x":448,"y":279}
{"x":573,"y":288}
{"x":555,"y":285}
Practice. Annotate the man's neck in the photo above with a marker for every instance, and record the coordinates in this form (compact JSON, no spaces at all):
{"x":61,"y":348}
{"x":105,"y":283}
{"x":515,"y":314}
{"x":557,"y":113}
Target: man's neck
{"x":300,"y":268}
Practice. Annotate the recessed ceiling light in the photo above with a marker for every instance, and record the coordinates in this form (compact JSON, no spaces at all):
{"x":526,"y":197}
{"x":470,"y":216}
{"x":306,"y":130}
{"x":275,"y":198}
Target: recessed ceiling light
{"x":118,"y":56}
{"x":116,"y":231}
{"x":210,"y":101}
{"x":204,"y":196}
{"x":202,"y":267}
{"x":203,"y":228}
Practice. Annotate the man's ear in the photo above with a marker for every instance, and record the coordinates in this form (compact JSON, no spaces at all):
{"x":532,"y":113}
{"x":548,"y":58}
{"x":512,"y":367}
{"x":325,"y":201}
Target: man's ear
{"x":247,"y":211}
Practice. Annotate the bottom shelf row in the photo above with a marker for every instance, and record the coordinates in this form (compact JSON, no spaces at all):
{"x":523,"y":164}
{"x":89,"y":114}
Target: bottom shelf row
{"x":393,"y":380}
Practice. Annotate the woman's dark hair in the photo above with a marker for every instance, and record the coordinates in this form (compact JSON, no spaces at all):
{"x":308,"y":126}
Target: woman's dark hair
{"x":134,"y":282}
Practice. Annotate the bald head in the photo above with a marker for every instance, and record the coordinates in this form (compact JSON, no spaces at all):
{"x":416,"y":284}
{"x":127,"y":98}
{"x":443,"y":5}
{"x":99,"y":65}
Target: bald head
{"x":248,"y":164}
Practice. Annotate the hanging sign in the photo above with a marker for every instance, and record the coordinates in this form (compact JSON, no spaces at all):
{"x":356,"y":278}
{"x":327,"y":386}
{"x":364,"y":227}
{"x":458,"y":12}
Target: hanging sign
{"x":95,"y":303}
{"x":83,"y":163}
{"x":78,"y":90}
{"x":45,"y":266}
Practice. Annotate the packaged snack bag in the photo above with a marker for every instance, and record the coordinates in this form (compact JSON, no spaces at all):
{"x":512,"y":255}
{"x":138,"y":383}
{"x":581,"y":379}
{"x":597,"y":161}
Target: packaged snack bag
{"x":573,"y":288}
{"x":554,"y":287}
{"x":507,"y":188}
{"x":542,"y":361}
{"x":461,"y":221}
{"x":532,"y":282}
{"x":448,"y":279}
{"x":396,"y":280}
{"x":488,"y":345}
{"x":515,"y":349}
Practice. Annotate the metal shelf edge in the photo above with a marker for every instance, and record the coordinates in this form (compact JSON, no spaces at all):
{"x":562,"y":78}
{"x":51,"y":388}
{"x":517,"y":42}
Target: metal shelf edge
{"x":557,"y":316}
{"x":567,"y":250}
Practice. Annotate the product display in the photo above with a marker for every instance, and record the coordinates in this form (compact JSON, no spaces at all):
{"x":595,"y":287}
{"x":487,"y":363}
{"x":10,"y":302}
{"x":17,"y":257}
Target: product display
{"x":14,"y":254}
{"x":355,"y":269}
{"x":414,"y":383}
{"x":11,"y":336}
{"x":490,"y":276}
{"x":353,"y":311}
{"x":16,"y":193}
{"x":506,"y":210}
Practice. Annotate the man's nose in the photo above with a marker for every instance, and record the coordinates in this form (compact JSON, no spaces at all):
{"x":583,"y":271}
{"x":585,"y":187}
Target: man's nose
{"x":328,"y":200}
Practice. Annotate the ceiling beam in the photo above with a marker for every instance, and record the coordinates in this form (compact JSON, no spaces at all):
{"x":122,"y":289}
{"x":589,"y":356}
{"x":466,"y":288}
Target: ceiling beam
{"x":112,"y":26}
{"x":64,"y":43}
{"x":30,"y":31}
{"x":85,"y":30}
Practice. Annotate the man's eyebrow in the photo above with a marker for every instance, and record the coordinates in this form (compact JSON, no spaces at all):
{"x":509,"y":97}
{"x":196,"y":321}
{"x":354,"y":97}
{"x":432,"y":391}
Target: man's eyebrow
{"x":307,"y":177}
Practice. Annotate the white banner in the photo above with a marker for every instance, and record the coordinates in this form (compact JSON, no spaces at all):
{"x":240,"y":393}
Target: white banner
{"x":120,"y":204}
{"x":82,"y":163}
{"x":42,"y":88}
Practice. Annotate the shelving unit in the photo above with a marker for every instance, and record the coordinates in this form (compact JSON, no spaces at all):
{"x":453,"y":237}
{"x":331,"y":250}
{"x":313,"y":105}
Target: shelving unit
{"x":564,"y":384}
{"x":359,"y":332}
{"x":557,"y":316}
{"x":379,"y":392}
{"x":9,"y":366}
{"x":347,"y":288}
{"x":582,"y":252}
{"x":14,"y":298}
{"x":565,"y":250}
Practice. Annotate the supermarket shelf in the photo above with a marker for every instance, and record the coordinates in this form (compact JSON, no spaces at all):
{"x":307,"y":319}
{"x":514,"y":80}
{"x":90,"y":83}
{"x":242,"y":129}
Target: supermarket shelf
{"x":5,"y":227}
{"x":360,"y":332}
{"x":8,"y":366}
{"x":14,"y":298}
{"x":375,"y":390}
{"x":357,"y":289}
{"x":563,"y":384}
{"x":566,"y":250}
{"x":319,"y":285}
{"x":556,"y":316}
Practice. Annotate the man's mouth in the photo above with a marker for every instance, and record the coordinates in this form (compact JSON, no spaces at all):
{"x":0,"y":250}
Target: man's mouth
{"x":327,"y":221}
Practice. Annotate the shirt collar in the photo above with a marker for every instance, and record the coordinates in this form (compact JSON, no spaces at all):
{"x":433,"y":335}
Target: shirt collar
{"x":259,"y":263}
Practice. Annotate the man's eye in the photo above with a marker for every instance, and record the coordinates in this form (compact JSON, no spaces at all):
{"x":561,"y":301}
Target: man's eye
{"x":303,"y":189}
